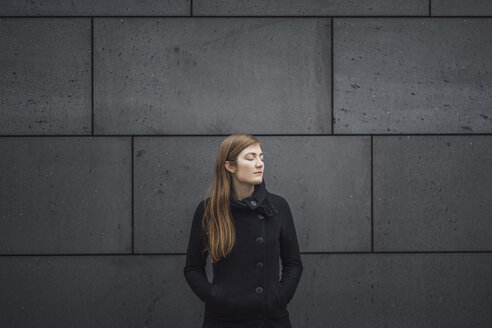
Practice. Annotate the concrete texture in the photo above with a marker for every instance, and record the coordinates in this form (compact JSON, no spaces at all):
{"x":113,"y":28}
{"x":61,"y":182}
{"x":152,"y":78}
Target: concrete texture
{"x":432,"y":193}
{"x":95,"y":7}
{"x":46,"y":76}
{"x":211,"y":76}
{"x":171,"y":176}
{"x":96,"y":291}
{"x":394,"y":290}
{"x":310,"y":7}
{"x":461,"y":8}
{"x":62,"y":195}
{"x":412,"y":75}
{"x":327,"y":182}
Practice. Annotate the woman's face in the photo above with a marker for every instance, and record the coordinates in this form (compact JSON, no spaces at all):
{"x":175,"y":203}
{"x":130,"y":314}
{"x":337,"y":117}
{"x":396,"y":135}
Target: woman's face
{"x":247,"y":164}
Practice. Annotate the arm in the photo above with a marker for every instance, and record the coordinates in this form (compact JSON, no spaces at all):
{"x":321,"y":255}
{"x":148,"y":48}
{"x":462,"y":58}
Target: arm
{"x":289,"y":254}
{"x":194,"y":270}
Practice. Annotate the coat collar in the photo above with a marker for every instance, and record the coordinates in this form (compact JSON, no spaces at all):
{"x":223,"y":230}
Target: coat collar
{"x":260,"y":199}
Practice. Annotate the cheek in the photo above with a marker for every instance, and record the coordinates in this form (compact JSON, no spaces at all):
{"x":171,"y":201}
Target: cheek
{"x":246,"y":167}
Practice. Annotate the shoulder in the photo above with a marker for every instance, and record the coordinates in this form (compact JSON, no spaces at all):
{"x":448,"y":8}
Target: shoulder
{"x":198,"y":216}
{"x":200,"y":208}
{"x":279,"y":201}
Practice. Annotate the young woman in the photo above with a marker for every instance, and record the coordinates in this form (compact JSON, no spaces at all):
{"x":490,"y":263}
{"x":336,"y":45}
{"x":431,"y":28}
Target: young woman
{"x":245,"y":230}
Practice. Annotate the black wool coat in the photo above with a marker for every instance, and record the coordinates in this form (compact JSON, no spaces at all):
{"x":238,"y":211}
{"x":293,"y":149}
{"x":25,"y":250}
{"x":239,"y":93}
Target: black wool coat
{"x":246,"y":290}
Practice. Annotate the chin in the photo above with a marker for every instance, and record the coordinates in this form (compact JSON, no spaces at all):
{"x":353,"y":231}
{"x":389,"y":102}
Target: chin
{"x":258,"y":179}
{"x":253,"y":180}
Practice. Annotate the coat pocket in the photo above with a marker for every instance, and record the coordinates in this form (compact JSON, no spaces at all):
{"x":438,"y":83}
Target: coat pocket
{"x":281,"y":295}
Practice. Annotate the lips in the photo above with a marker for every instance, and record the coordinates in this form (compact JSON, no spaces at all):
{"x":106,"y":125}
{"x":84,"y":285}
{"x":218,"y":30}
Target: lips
{"x":257,"y":172}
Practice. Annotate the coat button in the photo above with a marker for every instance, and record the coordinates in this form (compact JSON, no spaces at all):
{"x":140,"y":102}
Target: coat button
{"x":259,"y":240}
{"x":259,"y":265}
{"x":253,"y":202}
{"x":261,"y":217}
{"x":259,"y":290}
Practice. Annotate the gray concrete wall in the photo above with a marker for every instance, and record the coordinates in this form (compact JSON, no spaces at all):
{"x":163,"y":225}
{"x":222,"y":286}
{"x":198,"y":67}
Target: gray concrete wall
{"x":376,"y":119}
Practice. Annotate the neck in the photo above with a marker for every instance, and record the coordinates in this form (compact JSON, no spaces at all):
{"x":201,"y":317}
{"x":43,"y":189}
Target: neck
{"x":242,"y":190}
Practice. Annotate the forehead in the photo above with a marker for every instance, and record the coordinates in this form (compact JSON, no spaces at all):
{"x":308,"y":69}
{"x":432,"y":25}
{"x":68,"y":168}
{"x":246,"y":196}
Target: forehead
{"x":255,"y":149}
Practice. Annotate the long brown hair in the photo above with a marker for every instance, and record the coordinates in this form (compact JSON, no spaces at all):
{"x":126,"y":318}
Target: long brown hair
{"x":216,"y":221}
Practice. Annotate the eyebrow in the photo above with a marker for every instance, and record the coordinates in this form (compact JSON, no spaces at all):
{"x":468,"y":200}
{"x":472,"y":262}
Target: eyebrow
{"x":253,"y":153}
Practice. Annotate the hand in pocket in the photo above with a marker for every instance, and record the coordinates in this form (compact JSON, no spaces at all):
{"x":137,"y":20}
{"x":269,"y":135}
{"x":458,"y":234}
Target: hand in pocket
{"x":281,"y":294}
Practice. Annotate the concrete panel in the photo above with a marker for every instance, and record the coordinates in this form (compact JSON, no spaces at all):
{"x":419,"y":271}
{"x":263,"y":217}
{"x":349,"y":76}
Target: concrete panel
{"x":412,"y":75}
{"x":96,"y":291}
{"x":212,"y":76}
{"x":94,"y":8}
{"x":46,"y":76}
{"x":65,"y":195}
{"x":461,"y":8}
{"x":310,"y":7}
{"x":432,"y":193}
{"x":326,"y":181}
{"x":171,"y":176}
{"x":394,"y":290}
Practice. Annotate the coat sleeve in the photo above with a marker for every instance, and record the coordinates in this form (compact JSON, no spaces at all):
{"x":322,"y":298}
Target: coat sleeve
{"x":194,"y":270}
{"x":289,"y":254}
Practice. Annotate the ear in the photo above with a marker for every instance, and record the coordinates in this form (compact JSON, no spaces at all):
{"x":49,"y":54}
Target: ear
{"x":229,"y":167}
